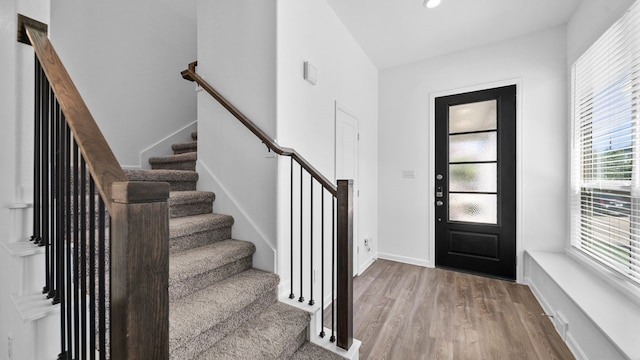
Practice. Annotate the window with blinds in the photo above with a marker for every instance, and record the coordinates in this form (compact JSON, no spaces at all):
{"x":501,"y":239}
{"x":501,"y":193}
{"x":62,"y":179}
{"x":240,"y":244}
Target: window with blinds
{"x":606,"y":148}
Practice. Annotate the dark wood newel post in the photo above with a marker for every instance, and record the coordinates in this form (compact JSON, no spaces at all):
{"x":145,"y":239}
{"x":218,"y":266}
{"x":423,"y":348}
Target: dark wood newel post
{"x":345,"y":264}
{"x":140,"y":271}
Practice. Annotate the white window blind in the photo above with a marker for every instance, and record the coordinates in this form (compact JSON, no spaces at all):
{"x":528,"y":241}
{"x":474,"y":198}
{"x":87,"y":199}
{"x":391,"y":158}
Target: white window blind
{"x":606,"y":148}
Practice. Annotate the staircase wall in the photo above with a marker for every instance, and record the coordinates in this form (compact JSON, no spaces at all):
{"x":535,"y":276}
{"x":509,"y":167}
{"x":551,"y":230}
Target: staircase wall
{"x":237,"y":56}
{"x":125,"y":57}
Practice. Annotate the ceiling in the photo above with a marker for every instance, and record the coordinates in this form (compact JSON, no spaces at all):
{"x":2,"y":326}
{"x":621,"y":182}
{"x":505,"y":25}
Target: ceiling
{"x":395,"y":32}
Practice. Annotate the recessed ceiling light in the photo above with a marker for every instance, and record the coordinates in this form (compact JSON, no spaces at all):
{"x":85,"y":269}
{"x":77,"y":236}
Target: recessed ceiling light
{"x":431,"y":3}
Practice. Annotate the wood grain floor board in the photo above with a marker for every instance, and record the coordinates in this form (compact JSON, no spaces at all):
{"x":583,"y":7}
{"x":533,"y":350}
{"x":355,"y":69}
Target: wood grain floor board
{"x":409,"y":312}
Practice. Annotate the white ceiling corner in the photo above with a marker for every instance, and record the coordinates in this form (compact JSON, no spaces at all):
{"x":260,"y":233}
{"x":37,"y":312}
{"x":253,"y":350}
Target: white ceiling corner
{"x":395,"y":32}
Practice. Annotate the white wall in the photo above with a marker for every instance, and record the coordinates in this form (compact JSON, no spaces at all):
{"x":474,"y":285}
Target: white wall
{"x":16,"y":151}
{"x":537,"y":62}
{"x":309,"y":30}
{"x":237,"y":56}
{"x":125,"y":57}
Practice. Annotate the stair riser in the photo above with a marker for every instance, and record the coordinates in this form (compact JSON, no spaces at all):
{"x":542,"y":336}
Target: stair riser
{"x":184,"y":150}
{"x":182,"y":210}
{"x":182,"y":165}
{"x":194,"y":348}
{"x":295,"y":344}
{"x":182,"y":185}
{"x":186,"y":287}
{"x":198,"y":239}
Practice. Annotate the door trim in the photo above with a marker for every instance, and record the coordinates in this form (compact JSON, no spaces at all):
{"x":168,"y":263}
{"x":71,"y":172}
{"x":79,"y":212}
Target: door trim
{"x":356,"y":198}
{"x":519,"y":177}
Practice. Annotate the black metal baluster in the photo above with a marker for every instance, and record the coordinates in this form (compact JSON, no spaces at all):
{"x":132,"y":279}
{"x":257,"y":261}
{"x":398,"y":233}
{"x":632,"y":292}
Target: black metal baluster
{"x":322,"y":334}
{"x":83,"y":257}
{"x":37,"y":121}
{"x":53,"y":177}
{"x":301,"y":298}
{"x":333,"y":267}
{"x":92,"y":268}
{"x":291,"y":294}
{"x":68,"y":238}
{"x":311,"y":302}
{"x":44,"y":162}
{"x":76,"y":239}
{"x":60,"y":169}
{"x":46,"y":181}
{"x":101,"y":280}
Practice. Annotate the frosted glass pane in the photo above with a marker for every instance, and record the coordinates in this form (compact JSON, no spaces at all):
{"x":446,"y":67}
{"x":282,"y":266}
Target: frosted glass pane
{"x":473,"y":147}
{"x":473,"y":117}
{"x":475,"y":208}
{"x":473,"y":177}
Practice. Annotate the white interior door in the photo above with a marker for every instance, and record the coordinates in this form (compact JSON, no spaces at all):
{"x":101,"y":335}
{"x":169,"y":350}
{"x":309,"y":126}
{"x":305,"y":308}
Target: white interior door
{"x":346,"y":161}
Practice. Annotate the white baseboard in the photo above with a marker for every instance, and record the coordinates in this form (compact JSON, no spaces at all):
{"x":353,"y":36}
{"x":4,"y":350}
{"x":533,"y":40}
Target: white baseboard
{"x":366,"y":265}
{"x":406,"y":260}
{"x":163,"y":146}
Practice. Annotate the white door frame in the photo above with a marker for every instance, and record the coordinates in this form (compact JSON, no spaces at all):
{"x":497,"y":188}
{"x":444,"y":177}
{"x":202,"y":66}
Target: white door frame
{"x":356,"y":185}
{"x":519,"y":178}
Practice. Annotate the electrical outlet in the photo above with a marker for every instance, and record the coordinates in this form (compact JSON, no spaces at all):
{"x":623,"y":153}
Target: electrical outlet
{"x":367,"y":243}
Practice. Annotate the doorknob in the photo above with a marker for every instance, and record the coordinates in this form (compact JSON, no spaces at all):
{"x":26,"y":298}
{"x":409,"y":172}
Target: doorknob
{"x":439,"y":177}
{"x":439,"y":203}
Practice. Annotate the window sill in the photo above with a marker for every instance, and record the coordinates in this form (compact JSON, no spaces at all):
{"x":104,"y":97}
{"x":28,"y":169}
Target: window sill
{"x":618,"y":319}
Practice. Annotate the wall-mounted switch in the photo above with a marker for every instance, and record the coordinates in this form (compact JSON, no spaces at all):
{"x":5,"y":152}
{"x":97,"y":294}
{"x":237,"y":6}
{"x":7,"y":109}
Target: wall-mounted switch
{"x":408,"y":174}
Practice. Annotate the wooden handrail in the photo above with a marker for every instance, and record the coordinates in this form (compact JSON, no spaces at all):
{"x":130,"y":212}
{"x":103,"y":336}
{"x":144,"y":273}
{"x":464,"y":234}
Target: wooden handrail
{"x":343,"y":192}
{"x":191,"y":75}
{"x":101,"y":162}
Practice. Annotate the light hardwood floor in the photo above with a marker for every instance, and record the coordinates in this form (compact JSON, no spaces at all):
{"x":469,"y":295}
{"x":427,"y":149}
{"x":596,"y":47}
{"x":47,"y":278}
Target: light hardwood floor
{"x":409,"y":312}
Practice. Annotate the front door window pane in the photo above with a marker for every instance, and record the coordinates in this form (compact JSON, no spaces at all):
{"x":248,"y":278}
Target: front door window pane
{"x":476,"y":208}
{"x":473,"y":177}
{"x":470,"y":117}
{"x":473,"y":147}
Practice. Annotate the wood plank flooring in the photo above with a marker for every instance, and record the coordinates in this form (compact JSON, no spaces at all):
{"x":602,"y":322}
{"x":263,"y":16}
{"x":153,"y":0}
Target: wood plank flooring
{"x":409,"y":312}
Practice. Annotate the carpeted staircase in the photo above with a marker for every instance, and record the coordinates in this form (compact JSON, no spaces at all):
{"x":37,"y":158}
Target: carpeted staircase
{"x":220,"y":307}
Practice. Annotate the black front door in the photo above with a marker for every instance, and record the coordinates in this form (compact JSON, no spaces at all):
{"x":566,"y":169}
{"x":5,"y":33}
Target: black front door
{"x":475,"y":222}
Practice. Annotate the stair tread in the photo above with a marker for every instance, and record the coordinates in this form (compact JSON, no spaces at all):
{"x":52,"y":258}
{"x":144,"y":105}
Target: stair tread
{"x":187,"y":225}
{"x":161,"y":175}
{"x":265,"y":337}
{"x":200,"y":260}
{"x":185,"y":145}
{"x":196,"y":313}
{"x":190,"y":156}
{"x":311,"y":351}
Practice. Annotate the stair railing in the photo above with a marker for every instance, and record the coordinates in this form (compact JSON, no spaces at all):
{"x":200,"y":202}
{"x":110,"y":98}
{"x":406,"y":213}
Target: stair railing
{"x":341,"y":225}
{"x":106,"y":239}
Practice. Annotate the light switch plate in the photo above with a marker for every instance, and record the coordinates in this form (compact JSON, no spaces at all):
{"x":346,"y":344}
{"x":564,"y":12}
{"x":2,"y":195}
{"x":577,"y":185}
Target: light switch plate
{"x":310,"y":73}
